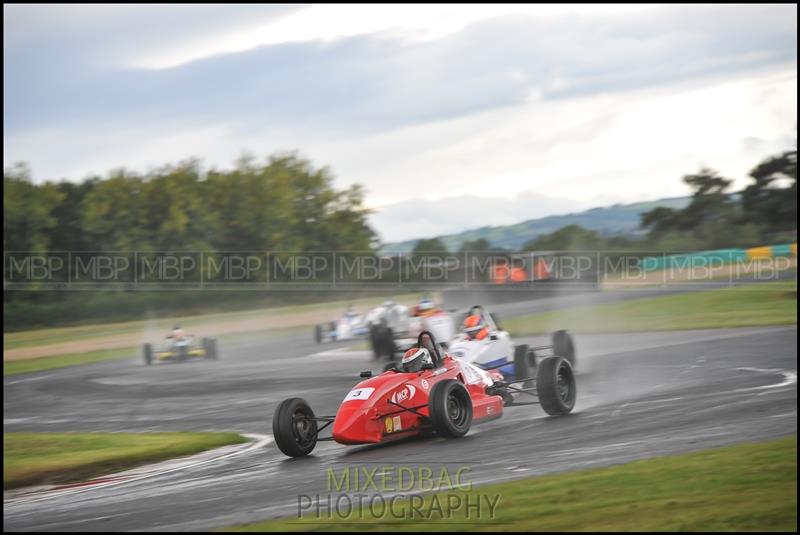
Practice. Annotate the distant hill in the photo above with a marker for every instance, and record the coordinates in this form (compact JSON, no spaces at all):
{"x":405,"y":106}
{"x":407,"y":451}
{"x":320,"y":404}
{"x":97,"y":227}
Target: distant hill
{"x":617,"y":219}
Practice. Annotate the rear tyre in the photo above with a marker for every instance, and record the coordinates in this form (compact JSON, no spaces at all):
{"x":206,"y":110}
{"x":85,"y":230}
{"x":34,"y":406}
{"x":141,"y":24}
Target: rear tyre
{"x":450,"y":409}
{"x":555,"y":386}
{"x":294,"y":429}
{"x":147,"y":351}
{"x":563,"y":346}
{"x":522,"y":368}
{"x":389,"y":348}
{"x":318,"y":334}
{"x":183,"y":353}
{"x":210,"y":347}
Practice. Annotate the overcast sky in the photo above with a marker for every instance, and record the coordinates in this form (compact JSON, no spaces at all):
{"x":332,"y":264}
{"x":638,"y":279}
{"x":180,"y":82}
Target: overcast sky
{"x":489,"y":114}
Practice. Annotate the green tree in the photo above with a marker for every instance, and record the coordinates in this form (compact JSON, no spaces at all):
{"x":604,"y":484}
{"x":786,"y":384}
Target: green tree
{"x":765,"y":202}
{"x":480,"y":245}
{"x":28,"y":219}
{"x":571,"y":237}
{"x":425,"y":247}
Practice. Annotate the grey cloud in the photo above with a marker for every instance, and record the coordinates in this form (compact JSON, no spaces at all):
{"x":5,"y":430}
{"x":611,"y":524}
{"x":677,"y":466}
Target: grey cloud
{"x":372,"y":82}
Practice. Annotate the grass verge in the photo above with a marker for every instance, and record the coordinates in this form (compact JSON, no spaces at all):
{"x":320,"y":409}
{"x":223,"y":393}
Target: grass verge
{"x":14,"y":367}
{"x":746,"y":487}
{"x":772,"y":303}
{"x":54,"y":335}
{"x":40,"y":458}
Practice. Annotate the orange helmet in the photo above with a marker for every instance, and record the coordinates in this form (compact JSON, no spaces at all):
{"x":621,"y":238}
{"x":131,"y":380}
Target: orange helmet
{"x":474,"y":327}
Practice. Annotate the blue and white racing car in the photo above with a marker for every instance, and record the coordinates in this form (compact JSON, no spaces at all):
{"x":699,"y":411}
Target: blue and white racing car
{"x":495,"y":350}
{"x":350,"y":326}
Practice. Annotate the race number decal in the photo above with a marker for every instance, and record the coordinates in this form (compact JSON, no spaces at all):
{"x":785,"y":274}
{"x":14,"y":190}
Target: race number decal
{"x":358,"y":393}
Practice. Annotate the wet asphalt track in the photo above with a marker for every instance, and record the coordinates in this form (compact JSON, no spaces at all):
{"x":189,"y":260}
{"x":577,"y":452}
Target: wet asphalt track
{"x":639,"y":395}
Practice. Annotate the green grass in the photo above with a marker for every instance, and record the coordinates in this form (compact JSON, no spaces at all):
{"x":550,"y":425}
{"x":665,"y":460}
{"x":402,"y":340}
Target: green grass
{"x":773,"y":303}
{"x":55,"y":335}
{"x":15,"y":367}
{"x":747,"y":487}
{"x":39,"y":458}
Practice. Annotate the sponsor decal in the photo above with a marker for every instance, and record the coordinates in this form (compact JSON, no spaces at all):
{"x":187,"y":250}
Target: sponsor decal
{"x":358,"y":394}
{"x":406,"y":393}
{"x":425,"y":384}
{"x":389,"y":424}
{"x":440,"y":371}
{"x":398,"y":424}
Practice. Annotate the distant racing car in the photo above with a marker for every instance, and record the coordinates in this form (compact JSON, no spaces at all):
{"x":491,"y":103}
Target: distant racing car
{"x":180,"y":349}
{"x":394,"y":328}
{"x":443,"y":395}
{"x":351,"y":325}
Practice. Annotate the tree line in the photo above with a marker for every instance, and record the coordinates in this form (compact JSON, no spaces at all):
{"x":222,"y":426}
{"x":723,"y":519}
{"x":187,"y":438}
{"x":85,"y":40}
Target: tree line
{"x":764,"y":212}
{"x":283,"y":204}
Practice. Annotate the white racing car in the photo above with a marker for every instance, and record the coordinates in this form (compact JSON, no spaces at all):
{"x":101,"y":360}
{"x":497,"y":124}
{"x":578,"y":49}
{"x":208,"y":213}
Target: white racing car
{"x":351,"y":325}
{"x":394,"y":328}
{"x":491,"y":348}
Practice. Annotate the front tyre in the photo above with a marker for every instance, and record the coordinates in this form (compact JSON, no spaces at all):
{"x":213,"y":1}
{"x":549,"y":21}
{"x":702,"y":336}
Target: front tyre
{"x":555,"y":386}
{"x":294,"y":428}
{"x":450,"y":409}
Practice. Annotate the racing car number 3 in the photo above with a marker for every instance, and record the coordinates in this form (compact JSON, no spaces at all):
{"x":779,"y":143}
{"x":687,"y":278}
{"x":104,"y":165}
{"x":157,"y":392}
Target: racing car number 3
{"x":358,"y":394}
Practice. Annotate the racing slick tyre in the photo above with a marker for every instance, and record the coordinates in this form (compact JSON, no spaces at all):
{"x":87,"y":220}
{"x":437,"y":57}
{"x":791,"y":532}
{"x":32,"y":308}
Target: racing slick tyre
{"x":183,"y":353}
{"x":210,"y":348}
{"x":563,"y":346}
{"x":147,"y":350}
{"x":389,"y":348}
{"x":522,"y":366}
{"x":555,"y":386}
{"x":375,"y":341}
{"x":450,"y":409}
{"x":318,"y":334}
{"x":294,"y":429}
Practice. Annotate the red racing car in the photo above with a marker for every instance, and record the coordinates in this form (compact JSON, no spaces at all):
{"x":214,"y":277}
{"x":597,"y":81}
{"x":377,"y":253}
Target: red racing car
{"x":444,"y":395}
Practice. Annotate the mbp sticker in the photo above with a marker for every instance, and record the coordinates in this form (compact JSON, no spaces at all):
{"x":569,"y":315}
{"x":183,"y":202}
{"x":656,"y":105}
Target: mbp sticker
{"x":359,"y":393}
{"x":398,"y":424}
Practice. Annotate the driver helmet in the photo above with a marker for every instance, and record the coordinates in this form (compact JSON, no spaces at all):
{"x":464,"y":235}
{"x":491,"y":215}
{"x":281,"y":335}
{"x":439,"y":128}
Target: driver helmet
{"x":425,"y":306}
{"x":475,"y":328}
{"x":415,"y":359}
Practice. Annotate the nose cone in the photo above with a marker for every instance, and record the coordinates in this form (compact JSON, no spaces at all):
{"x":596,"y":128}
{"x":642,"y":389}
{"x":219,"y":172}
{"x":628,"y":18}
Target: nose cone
{"x":351,"y":425}
{"x":356,"y":421}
